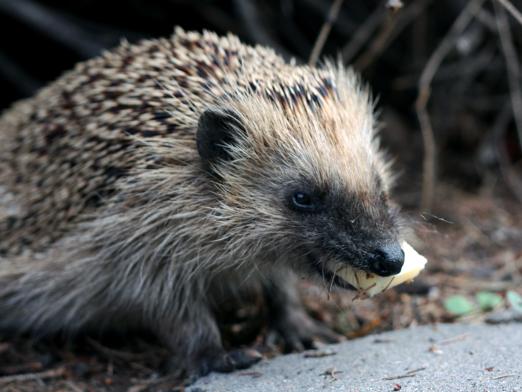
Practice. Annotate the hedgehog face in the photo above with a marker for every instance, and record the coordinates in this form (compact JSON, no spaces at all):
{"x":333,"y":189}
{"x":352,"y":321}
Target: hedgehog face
{"x":305,"y":189}
{"x":334,"y":224}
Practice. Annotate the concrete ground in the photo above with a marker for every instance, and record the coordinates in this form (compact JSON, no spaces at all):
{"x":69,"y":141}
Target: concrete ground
{"x":452,"y":358}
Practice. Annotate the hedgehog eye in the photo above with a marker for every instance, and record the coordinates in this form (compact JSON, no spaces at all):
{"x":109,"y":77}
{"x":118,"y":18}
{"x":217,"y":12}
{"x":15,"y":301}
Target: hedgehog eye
{"x":302,"y":201}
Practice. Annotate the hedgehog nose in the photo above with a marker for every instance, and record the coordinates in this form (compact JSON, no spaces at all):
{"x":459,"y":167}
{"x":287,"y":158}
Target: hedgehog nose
{"x":387,"y":260}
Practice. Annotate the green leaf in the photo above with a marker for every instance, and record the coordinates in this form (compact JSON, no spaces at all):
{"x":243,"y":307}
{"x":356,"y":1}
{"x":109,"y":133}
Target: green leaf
{"x":488,"y":300}
{"x":515,"y":300}
{"x":458,"y":305}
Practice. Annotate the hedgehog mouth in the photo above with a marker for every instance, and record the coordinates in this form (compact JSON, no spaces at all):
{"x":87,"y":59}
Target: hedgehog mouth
{"x":328,"y":275}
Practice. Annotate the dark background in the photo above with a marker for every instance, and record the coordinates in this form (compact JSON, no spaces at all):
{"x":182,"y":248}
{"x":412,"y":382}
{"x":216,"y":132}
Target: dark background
{"x":470,"y":107}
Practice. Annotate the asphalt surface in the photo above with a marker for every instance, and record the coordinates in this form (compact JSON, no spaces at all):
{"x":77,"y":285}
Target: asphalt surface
{"x":452,"y":358}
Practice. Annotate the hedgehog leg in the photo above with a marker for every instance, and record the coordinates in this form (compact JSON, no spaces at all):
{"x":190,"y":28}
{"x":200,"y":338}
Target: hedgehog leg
{"x":289,"y":321}
{"x":197,"y":349}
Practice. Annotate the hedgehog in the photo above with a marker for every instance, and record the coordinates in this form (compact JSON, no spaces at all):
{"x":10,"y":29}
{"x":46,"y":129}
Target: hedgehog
{"x":161,"y":180}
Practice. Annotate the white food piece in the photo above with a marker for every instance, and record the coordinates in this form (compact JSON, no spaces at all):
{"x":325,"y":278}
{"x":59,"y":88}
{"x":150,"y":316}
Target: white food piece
{"x":370,"y":284}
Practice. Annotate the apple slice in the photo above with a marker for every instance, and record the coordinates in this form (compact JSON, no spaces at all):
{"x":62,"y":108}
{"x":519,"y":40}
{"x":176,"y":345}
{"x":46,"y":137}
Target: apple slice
{"x":369,"y":284}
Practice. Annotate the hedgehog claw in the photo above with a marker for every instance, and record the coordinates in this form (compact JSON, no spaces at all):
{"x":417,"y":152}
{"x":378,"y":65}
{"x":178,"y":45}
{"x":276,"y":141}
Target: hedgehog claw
{"x":298,"y":332}
{"x":235,"y":360}
{"x":223,"y":362}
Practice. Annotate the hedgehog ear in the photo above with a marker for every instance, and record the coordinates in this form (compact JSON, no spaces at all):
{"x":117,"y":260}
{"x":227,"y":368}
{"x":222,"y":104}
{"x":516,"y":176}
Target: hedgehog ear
{"x":217,"y":129}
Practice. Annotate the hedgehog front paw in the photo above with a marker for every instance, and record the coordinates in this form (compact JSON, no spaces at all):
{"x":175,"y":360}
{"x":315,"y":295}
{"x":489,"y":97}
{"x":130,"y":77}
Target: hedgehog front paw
{"x":233,"y":360}
{"x":297,"y":331}
{"x":222,"y":362}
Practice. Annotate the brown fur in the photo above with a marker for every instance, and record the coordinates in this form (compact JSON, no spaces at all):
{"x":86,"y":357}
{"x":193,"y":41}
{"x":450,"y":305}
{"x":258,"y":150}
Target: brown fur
{"x":108,"y":214}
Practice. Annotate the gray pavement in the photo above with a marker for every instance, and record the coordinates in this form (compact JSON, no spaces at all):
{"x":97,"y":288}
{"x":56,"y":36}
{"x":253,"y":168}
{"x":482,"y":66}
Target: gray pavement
{"x":454,"y":357}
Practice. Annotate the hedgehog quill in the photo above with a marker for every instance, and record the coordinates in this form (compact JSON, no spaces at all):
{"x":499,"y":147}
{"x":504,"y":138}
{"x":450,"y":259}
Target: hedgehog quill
{"x":149,"y":185}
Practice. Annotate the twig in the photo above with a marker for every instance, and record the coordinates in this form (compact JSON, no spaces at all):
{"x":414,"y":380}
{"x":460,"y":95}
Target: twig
{"x":73,"y":386}
{"x":52,"y":373}
{"x":512,"y":65}
{"x":394,"y":25}
{"x":466,"y":68}
{"x":488,"y":20}
{"x":137,"y":388}
{"x":325,"y":31}
{"x":319,"y":354}
{"x":503,"y":376}
{"x":251,"y":374}
{"x":362,"y":35}
{"x":512,"y":10}
{"x":410,"y":373}
{"x":378,"y":44}
{"x":345,"y":25}
{"x":429,"y":71}
{"x":398,"y":377}
{"x":22,"y":368}
{"x":331,"y":372}
{"x":454,"y":339}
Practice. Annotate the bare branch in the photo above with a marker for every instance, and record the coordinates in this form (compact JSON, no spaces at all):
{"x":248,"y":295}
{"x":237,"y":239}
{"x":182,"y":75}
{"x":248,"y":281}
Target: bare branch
{"x":363,"y":33}
{"x":51,"y":373}
{"x":429,"y":71}
{"x":394,"y":25}
{"x":512,"y":10}
{"x":512,"y":65}
{"x":325,"y":31}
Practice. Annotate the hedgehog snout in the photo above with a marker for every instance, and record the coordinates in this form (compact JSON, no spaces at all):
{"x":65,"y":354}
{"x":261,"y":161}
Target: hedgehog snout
{"x":387,"y":259}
